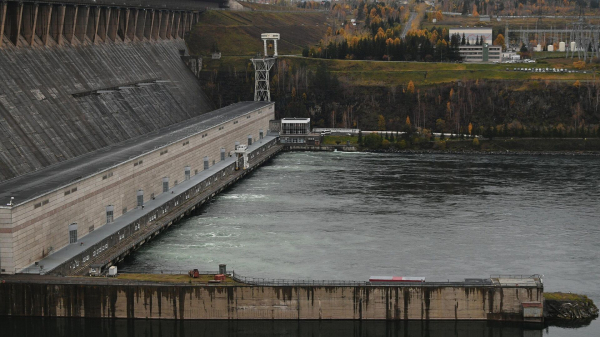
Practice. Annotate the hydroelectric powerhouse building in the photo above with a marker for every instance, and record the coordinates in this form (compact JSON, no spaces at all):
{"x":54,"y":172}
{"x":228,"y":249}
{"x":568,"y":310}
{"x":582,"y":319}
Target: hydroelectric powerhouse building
{"x":52,"y":218}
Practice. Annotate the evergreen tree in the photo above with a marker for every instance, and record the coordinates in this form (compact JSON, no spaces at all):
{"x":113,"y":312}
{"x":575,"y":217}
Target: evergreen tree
{"x":463,"y":42}
{"x":360,"y":138}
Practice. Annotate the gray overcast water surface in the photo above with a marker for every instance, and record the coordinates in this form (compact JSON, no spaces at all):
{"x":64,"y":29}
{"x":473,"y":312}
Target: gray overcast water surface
{"x":347,"y":216}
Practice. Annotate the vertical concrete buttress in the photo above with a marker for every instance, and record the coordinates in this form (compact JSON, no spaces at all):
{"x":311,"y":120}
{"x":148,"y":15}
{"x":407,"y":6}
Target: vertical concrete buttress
{"x":2,"y":21}
{"x":83,"y":14}
{"x":30,"y":13}
{"x":95,"y":24}
{"x":103,"y":23}
{"x":184,"y":18}
{"x":132,"y":24}
{"x":15,"y":15}
{"x":176,"y":25}
{"x":60,"y":23}
{"x":42,"y":27}
{"x":57,"y":23}
{"x":150,"y":15}
{"x":141,"y":24}
{"x":113,"y":23}
{"x":70,"y":23}
{"x":169,"y":34}
{"x":158,"y":20}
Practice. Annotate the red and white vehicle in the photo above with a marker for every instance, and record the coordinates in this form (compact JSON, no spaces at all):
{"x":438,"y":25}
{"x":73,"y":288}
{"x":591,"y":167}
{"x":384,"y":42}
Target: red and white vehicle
{"x":395,"y":279}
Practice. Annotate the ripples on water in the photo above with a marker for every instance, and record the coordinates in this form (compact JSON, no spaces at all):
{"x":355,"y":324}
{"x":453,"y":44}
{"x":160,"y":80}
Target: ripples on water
{"x":352,"y":215}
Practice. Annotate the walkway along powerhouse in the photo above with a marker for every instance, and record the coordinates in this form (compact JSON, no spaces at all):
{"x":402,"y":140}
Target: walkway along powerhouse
{"x":67,"y":216}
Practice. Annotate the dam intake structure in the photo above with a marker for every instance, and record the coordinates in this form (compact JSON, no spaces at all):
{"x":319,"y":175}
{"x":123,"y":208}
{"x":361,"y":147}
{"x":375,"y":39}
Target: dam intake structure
{"x":500,"y":299}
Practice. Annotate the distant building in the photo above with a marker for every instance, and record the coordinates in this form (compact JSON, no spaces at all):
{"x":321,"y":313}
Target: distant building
{"x":297,"y":131}
{"x":510,"y":56}
{"x":472,"y":34}
{"x":485,"y":53}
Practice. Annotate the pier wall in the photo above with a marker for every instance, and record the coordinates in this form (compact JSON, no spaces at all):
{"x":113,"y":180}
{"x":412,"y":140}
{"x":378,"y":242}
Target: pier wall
{"x":256,"y":302}
{"x":40,"y":226}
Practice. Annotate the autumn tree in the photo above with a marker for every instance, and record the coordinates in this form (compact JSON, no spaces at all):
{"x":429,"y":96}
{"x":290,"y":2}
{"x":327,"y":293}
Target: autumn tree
{"x":381,"y":123}
{"x":499,"y":41}
{"x":475,"y":12}
{"x":411,"y":87}
{"x":470,"y":129}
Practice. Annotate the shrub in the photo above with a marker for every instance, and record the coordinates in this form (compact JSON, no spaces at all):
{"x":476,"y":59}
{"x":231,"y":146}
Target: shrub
{"x":441,"y":145}
{"x":476,"y":142}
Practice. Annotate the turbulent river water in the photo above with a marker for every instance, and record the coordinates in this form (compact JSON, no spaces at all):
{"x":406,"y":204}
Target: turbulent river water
{"x":346,"y":216}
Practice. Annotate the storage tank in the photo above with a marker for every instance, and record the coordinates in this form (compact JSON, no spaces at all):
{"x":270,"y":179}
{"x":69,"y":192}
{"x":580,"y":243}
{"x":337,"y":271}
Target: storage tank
{"x":112,"y":271}
{"x":538,"y":48}
{"x":573,"y":46}
{"x":562,"y":46}
{"x":550,"y":47}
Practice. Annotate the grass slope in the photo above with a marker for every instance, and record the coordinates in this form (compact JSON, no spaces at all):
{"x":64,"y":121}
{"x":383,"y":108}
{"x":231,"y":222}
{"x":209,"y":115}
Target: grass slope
{"x":238,"y":32}
{"x":381,"y":73}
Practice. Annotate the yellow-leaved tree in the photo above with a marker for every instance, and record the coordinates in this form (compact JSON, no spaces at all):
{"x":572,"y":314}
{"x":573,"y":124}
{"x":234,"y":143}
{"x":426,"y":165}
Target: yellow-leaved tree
{"x":470,"y":129}
{"x":381,"y":123}
{"x":407,"y":121}
{"x":411,"y":87}
{"x":499,"y":41}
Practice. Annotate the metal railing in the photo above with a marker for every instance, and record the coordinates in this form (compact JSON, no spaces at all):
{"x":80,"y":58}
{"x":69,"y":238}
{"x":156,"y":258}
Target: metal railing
{"x":165,"y":271}
{"x":340,"y":283}
{"x":519,"y":277}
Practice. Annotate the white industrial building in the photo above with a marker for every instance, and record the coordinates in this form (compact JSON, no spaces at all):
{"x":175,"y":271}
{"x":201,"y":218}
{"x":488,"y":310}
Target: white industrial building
{"x":484,"y":53}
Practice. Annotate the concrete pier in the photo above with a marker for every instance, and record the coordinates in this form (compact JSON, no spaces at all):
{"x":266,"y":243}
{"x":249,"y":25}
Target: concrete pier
{"x":114,"y":298}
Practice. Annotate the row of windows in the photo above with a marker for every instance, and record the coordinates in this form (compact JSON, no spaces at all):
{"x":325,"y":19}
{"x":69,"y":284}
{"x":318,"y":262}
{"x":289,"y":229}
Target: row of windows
{"x":41,"y":203}
{"x":164,"y":152}
{"x":106,"y":176}
{"x":186,"y":143}
{"x":73,"y":190}
{"x":138,"y":163}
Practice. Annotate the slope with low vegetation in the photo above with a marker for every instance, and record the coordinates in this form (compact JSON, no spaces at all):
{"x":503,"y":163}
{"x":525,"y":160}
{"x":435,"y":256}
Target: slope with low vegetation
{"x":238,"y":32}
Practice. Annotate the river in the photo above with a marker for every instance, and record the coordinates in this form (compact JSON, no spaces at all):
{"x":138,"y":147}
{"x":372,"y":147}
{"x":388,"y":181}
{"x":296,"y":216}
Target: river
{"x":346,"y":216}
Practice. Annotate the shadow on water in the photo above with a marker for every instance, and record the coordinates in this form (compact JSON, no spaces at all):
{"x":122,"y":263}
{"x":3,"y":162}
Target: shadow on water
{"x":120,"y":327}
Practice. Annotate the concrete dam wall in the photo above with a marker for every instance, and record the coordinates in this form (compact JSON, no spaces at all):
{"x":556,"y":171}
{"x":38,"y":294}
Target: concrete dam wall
{"x":59,"y":100}
{"x":266,"y":302}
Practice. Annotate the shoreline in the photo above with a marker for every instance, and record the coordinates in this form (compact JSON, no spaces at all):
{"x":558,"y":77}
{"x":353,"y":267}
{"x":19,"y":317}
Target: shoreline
{"x":501,"y":153}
